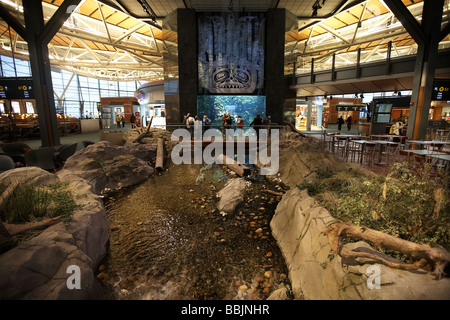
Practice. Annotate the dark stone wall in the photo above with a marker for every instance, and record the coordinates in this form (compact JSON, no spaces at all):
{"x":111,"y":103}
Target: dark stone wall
{"x":187,"y":61}
{"x":184,"y":100}
{"x":274,"y":64}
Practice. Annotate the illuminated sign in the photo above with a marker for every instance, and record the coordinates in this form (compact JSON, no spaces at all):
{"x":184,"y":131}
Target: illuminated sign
{"x":441,"y":90}
{"x":355,"y":107}
{"x":16,"y":88}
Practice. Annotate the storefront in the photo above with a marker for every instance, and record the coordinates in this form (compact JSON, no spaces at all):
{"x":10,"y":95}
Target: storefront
{"x":334,"y":108}
{"x":151,"y":104}
{"x":301,"y":115}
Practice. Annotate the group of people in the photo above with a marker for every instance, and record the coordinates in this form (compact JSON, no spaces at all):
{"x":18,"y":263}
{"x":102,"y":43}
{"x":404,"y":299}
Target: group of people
{"x":120,"y":120}
{"x":341,"y":121}
{"x":193,"y":122}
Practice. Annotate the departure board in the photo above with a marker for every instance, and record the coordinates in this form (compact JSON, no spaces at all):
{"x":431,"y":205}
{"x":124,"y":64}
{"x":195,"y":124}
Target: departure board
{"x":16,"y":88}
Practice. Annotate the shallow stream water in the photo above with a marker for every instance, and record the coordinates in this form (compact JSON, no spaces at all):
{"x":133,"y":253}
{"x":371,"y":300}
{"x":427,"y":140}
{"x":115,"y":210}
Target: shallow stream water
{"x":168,"y":240}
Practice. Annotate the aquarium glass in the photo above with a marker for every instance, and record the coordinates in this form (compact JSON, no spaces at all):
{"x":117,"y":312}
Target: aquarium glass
{"x":245,"y":106}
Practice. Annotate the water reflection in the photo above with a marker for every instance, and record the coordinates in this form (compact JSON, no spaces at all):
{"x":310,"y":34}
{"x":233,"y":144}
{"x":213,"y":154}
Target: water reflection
{"x":168,"y":241}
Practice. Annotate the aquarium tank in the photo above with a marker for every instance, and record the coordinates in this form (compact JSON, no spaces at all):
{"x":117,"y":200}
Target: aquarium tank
{"x":215,"y":106}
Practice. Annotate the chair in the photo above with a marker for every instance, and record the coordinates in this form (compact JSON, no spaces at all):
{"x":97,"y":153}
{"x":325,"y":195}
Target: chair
{"x":6,"y":163}
{"x":16,"y":150}
{"x":86,"y":143}
{"x":64,"y":152}
{"x":42,"y":158}
{"x":391,"y":150}
{"x":340,"y":145}
{"x":354,"y":150}
{"x":368,"y":152}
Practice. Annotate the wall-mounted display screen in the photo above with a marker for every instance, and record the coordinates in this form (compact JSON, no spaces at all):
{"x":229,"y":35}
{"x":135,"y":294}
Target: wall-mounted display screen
{"x":382,"y":118}
{"x":214,"y":107}
{"x":383,"y":108}
{"x":231,"y":53}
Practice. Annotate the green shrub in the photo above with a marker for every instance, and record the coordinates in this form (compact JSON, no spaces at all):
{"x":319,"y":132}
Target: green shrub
{"x":28,"y":203}
{"x":407,"y":204}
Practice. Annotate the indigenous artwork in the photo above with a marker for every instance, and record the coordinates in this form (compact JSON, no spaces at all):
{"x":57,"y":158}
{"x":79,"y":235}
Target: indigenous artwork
{"x":231,"y":53}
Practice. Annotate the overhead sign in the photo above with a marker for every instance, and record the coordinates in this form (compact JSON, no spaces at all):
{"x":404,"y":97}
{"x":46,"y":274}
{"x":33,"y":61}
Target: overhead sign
{"x":354,"y":107}
{"x":16,"y":88}
{"x":441,"y":90}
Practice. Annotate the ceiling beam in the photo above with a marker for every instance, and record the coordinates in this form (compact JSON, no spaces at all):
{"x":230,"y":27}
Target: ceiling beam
{"x":6,"y":15}
{"x":333,"y":32}
{"x":104,"y":21}
{"x":57,"y":20}
{"x":407,"y":20}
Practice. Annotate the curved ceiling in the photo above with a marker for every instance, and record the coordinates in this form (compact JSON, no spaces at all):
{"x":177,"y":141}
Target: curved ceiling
{"x":124,"y":40}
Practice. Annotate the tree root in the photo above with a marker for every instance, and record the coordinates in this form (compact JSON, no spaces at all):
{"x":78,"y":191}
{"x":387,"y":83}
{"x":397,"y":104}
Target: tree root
{"x":434,"y":258}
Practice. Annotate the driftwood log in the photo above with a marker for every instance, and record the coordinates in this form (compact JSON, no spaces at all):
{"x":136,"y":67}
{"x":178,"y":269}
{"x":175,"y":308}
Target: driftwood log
{"x":142,"y":131}
{"x":274,"y":192}
{"x":238,"y":168}
{"x":15,"y":229}
{"x":160,"y":155}
{"x":434,"y":259}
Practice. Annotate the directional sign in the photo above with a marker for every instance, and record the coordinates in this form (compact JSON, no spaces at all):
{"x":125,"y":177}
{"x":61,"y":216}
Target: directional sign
{"x":16,"y":88}
{"x":441,"y":90}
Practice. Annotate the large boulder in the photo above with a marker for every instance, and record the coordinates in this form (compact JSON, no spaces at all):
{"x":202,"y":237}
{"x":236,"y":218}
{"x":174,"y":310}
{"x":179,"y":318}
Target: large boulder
{"x":111,"y":167}
{"x":316,"y":273}
{"x":38,"y":268}
{"x":231,"y":195}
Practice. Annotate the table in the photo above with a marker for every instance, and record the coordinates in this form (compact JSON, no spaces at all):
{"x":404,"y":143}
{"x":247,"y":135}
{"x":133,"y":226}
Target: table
{"x":424,"y":152}
{"x":363,"y":144}
{"x":345,"y":136}
{"x":426,"y":143}
{"x":388,"y":136}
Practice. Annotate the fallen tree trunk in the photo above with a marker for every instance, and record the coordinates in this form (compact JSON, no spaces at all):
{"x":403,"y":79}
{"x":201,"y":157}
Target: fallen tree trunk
{"x":238,"y":168}
{"x":160,"y":155}
{"x":435,"y":258}
{"x":274,"y":192}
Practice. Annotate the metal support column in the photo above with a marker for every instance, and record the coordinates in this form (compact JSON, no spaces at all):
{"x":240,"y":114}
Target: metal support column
{"x":425,"y":70}
{"x":427,"y":35}
{"x":40,"y":70}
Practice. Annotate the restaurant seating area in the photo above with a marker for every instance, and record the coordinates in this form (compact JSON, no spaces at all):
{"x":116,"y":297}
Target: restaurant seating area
{"x":19,"y":154}
{"x":383,"y":150}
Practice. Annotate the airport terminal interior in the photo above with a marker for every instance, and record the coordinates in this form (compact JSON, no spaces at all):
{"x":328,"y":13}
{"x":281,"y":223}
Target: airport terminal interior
{"x":224,"y":150}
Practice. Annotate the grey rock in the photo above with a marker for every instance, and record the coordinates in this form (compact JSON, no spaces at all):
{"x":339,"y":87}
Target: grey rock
{"x":231,"y":195}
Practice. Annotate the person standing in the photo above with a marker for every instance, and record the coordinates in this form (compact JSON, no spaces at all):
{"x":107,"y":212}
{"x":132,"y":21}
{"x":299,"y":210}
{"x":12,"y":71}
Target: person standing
{"x":197,"y":123}
{"x":133,"y":120}
{"x":206,"y":122}
{"x":349,"y":122}
{"x":257,"y":124}
{"x":118,"y":120}
{"x":123,"y":121}
{"x":340,"y":123}
{"x":240,"y":126}
{"x":266,"y":123}
{"x":190,"y":121}
{"x":224,"y":123}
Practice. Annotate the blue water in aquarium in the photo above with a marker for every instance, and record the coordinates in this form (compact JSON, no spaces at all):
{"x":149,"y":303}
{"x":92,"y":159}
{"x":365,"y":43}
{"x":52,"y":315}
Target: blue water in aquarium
{"x":215,"y":106}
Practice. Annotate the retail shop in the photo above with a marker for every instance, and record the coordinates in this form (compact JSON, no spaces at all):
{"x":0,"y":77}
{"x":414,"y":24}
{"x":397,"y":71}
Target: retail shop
{"x":151,"y":104}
